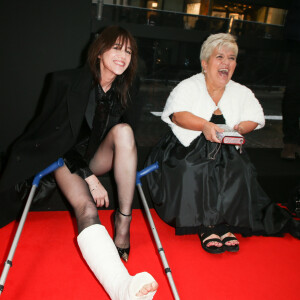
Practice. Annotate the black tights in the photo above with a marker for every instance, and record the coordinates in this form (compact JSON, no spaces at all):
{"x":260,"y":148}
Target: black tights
{"x":77,"y":193}
{"x":117,"y":152}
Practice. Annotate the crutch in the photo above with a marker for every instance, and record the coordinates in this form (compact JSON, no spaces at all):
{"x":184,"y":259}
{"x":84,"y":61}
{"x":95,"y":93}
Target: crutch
{"x":13,"y":247}
{"x":155,"y":234}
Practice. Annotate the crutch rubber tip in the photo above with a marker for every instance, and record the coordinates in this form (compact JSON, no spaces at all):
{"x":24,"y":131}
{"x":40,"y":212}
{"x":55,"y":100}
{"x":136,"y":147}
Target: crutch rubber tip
{"x":1,"y":288}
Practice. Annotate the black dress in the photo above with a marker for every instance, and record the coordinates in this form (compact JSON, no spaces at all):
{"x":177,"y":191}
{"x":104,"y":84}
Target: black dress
{"x":209,"y":184}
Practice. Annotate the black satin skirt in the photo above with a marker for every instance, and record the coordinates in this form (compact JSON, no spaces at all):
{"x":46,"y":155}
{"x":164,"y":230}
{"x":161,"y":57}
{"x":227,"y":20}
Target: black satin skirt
{"x":210,"y":184}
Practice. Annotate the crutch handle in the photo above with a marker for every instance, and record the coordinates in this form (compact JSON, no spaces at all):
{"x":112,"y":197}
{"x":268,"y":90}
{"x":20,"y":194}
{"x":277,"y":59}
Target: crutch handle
{"x":146,"y":171}
{"x":49,"y":169}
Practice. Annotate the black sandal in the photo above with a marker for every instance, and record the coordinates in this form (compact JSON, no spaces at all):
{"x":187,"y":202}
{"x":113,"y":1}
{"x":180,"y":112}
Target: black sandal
{"x":206,"y":232}
{"x":223,"y":229}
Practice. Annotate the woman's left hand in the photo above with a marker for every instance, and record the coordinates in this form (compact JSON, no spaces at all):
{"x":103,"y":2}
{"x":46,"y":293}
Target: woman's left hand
{"x":97,"y":191}
{"x":245,"y":127}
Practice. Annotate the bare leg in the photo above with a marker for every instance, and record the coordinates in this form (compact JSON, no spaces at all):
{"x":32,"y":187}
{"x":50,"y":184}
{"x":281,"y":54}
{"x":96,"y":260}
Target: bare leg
{"x":118,"y":151}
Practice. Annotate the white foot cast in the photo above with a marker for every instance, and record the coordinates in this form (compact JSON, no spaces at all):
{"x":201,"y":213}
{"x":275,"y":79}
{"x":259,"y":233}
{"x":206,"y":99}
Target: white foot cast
{"x":101,"y":255}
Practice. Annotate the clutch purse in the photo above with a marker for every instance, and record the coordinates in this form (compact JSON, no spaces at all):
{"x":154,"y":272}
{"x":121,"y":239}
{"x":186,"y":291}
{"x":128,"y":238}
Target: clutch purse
{"x":230,"y":136}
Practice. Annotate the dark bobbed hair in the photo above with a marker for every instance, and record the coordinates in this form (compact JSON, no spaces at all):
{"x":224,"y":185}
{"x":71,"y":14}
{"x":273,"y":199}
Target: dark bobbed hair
{"x":104,"y":42}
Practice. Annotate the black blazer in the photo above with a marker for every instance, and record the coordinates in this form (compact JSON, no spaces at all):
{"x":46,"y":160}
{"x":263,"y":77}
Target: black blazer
{"x":54,"y":131}
{"x":52,"y":134}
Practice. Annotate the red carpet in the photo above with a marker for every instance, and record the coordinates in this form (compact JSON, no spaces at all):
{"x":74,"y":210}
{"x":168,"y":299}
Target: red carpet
{"x":48,"y":265}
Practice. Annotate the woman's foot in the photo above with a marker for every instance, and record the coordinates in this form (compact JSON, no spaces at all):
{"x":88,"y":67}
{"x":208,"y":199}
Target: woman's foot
{"x":148,"y":288}
{"x":230,"y":242}
{"x":122,"y":233}
{"x":145,"y":291}
{"x":210,"y":240}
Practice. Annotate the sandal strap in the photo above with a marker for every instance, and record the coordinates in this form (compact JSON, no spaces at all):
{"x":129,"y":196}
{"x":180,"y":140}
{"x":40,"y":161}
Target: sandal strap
{"x":208,"y":233}
{"x":211,"y":240}
{"x":118,"y":210}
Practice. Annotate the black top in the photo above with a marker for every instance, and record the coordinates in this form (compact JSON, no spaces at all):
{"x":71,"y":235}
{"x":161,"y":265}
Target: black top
{"x":107,"y":113}
{"x":104,"y":110}
{"x":217,"y":119}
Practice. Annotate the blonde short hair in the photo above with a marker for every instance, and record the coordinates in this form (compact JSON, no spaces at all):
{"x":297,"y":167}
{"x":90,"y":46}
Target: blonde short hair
{"x":219,"y":40}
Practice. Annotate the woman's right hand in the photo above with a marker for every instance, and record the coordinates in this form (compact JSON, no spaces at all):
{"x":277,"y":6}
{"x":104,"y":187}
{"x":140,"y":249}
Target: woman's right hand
{"x":97,"y":191}
{"x":210,"y":131}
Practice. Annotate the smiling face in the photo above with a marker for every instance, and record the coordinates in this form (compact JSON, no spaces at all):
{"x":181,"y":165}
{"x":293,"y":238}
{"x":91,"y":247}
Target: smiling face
{"x":115,"y":61}
{"x":220,"y":66}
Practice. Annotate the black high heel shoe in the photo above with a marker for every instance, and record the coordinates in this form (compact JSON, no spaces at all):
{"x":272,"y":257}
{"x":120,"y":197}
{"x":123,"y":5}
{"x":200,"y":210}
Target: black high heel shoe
{"x":123,"y":252}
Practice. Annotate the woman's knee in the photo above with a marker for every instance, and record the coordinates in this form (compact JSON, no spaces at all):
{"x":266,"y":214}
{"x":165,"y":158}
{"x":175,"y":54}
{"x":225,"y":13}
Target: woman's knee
{"x":123,"y":135}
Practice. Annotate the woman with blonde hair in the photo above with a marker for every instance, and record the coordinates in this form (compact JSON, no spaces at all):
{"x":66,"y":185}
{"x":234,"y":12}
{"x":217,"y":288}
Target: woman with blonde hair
{"x":204,"y":186}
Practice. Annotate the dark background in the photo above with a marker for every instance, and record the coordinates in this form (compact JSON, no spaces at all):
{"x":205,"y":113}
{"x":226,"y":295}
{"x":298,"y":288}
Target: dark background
{"x":37,"y":37}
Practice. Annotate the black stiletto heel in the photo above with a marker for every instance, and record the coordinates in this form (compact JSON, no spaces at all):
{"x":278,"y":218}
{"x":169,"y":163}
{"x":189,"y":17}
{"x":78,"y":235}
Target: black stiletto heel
{"x":123,"y":252}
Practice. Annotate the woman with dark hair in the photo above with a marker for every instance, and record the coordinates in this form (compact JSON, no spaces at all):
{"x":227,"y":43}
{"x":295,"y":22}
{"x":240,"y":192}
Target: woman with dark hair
{"x":83,"y":117}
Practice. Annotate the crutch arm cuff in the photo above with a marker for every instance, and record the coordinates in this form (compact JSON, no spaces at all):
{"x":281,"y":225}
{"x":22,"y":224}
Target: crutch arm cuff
{"x":145,"y":171}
